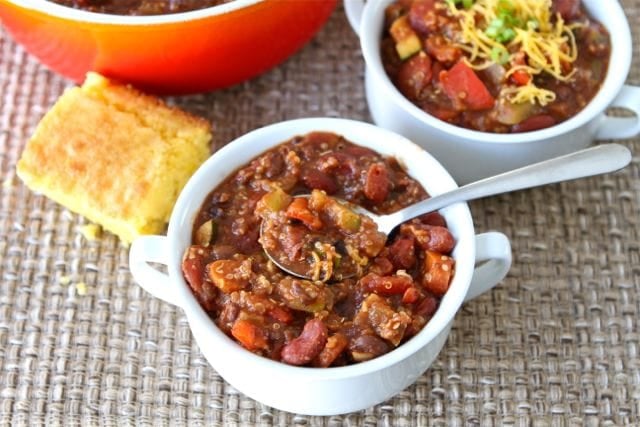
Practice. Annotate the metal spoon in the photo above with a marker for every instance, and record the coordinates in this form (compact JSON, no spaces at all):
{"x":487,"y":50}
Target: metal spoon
{"x":588,"y":162}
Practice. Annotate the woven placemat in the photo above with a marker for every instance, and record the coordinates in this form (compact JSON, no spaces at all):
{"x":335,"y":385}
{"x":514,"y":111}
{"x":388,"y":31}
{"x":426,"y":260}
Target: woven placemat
{"x":557,"y":343}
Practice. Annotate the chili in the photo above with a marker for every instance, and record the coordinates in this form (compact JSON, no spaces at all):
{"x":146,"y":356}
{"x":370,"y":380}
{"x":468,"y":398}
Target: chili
{"x":320,"y":322}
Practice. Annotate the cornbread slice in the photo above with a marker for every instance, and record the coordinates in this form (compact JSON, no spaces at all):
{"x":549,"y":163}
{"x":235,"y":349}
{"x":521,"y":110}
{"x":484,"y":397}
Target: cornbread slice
{"x":114,"y":155}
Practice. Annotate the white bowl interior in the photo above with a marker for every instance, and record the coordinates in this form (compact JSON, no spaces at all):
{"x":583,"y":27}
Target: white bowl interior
{"x":609,"y":13}
{"x":419,"y":164}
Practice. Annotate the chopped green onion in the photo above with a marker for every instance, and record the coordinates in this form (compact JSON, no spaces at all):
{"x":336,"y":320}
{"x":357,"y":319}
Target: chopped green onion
{"x":492,"y":32}
{"x":499,"y":55}
{"x":465,"y":3}
{"x":533,"y":24}
{"x":506,"y":35}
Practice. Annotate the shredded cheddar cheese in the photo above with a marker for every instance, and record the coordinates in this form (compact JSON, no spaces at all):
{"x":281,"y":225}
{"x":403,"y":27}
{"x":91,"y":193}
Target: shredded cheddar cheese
{"x":492,"y":29}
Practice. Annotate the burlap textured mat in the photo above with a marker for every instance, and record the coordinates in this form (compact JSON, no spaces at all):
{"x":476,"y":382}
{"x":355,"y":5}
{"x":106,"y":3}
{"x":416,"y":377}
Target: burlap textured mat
{"x":557,"y":343}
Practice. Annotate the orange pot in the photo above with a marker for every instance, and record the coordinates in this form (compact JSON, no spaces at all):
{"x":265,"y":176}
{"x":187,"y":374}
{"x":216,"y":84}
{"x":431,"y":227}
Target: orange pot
{"x":180,"y":53}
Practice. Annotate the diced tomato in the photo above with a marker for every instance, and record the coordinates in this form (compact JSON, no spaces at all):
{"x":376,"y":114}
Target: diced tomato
{"x":386,"y":285}
{"x":299,"y":209}
{"x":193,"y":266}
{"x":465,"y":89}
{"x":280,"y":314}
{"x":333,"y":348}
{"x":520,"y":77}
{"x":437,"y":272}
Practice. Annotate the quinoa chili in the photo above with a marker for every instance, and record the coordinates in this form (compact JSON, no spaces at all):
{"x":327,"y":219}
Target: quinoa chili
{"x":328,"y":321}
{"x":495,"y":65}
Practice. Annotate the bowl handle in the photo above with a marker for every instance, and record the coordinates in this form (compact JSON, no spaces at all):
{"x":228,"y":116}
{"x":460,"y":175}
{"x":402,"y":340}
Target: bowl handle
{"x":353,"y":10}
{"x":493,"y":260}
{"x":622,"y":127}
{"x":146,"y":249}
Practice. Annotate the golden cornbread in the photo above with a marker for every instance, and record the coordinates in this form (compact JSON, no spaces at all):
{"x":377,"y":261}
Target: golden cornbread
{"x":114,"y":155}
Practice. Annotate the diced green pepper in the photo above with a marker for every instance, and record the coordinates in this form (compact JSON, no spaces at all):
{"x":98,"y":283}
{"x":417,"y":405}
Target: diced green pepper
{"x":206,"y":233}
{"x":407,"y":41}
{"x":302,"y":295}
{"x":349,"y":220}
{"x":276,"y":200}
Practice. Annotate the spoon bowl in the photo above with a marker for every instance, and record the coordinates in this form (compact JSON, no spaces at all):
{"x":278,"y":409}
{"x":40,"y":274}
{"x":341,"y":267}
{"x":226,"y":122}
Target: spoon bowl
{"x":588,"y":162}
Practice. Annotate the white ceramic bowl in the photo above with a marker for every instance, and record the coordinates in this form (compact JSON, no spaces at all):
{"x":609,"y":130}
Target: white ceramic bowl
{"x":470,"y":155}
{"x":317,"y":391}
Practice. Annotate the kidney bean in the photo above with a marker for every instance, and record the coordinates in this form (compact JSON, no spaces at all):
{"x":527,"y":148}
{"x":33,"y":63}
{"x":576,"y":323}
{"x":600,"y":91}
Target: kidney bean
{"x":532,"y":123}
{"x":376,"y":186}
{"x":427,"y":306}
{"x":221,"y":252}
{"x":248,"y":241}
{"x":411,"y":295}
{"x":430,"y":237}
{"x":414,"y":76}
{"x":292,"y":241}
{"x":228,"y":315}
{"x":442,"y":50}
{"x":422,"y":17}
{"x":366,"y":347}
{"x":193,"y":268}
{"x":433,"y":218}
{"x":314,"y":178}
{"x":272,"y":164}
{"x":381,"y":265}
{"x":402,"y":253}
{"x":307,"y":345}
{"x":569,"y":9}
{"x":337,"y":162}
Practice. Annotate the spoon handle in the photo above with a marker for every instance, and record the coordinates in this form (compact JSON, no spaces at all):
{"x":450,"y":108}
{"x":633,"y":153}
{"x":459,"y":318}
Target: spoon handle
{"x":591,"y":161}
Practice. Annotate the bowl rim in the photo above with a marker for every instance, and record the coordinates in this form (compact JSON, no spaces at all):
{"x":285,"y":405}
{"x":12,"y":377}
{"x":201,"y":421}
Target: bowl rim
{"x":79,"y":15}
{"x":186,"y":208}
{"x":618,"y":69}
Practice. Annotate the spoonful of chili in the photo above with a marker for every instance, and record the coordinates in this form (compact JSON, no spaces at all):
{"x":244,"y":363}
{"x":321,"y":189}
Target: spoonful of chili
{"x":318,"y":237}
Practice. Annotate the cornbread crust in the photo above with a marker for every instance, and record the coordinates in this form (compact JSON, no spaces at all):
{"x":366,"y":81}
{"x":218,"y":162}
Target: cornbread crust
{"x":114,"y":155}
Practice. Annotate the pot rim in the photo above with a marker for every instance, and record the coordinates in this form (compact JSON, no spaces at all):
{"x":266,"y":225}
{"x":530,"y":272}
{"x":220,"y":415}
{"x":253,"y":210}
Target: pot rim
{"x":83,"y":16}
